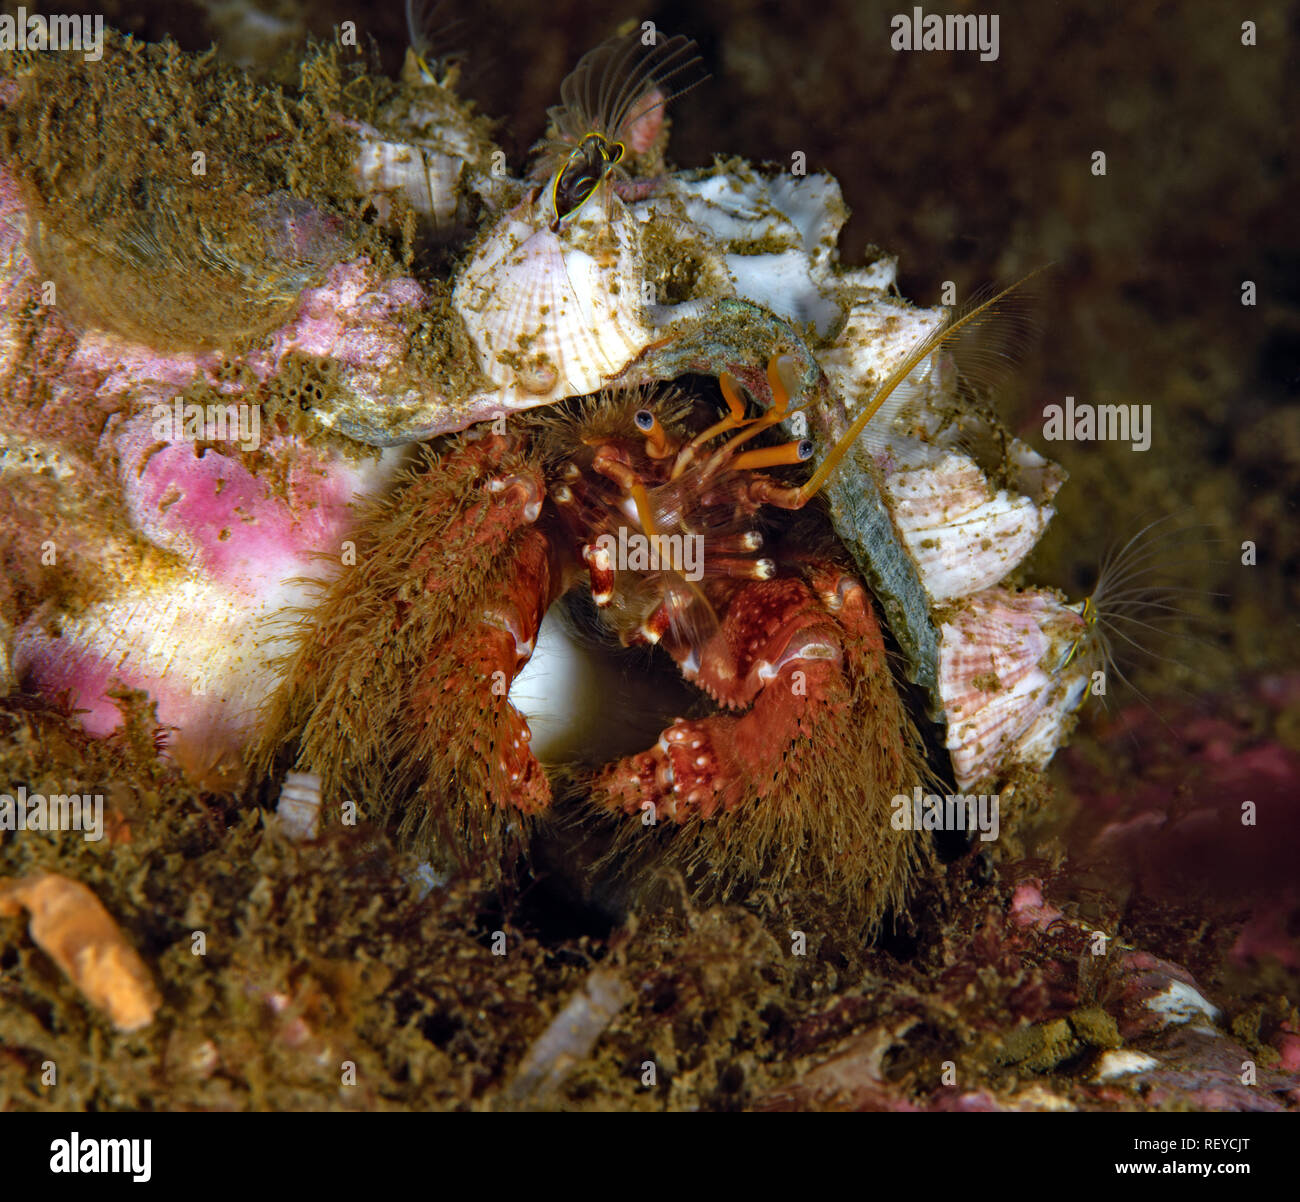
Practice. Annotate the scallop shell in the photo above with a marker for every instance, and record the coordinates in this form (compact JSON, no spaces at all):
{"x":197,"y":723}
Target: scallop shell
{"x":555,"y":314}
{"x":879,"y":332}
{"x":964,"y":536}
{"x":1008,"y":693}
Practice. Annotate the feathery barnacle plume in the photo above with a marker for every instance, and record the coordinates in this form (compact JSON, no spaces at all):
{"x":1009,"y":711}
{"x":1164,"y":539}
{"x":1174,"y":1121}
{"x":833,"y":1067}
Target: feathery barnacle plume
{"x":611,"y":111}
{"x":1139,"y":601}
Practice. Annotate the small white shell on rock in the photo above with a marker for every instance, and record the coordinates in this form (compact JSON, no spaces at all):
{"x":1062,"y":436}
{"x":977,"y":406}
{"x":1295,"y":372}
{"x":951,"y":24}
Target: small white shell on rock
{"x":964,"y":535}
{"x":427,"y":179}
{"x":298,"y":810}
{"x":1008,"y":693}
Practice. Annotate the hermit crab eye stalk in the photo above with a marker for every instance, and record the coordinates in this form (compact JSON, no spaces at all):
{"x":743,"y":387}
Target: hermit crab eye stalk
{"x":608,"y":103}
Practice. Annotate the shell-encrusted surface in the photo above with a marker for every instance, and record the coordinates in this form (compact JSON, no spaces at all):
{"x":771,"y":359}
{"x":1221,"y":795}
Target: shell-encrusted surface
{"x":964,"y":535}
{"x":637,"y":278}
{"x":777,"y":236}
{"x":196,"y":611}
{"x":1008,"y":691}
{"x":934,"y":457}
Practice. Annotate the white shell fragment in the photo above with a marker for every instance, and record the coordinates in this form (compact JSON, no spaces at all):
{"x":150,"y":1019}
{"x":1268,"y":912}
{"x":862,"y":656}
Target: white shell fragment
{"x":878,"y":333}
{"x":1009,"y":694}
{"x":964,"y":536}
{"x":1181,"y":1003}
{"x":298,"y":810}
{"x":1115,"y":1064}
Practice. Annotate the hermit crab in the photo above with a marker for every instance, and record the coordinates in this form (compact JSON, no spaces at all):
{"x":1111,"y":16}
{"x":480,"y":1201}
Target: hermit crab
{"x":401,"y":686}
{"x":659,"y":391}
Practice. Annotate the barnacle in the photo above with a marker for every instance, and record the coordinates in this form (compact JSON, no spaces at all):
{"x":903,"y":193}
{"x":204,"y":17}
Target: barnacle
{"x":611,"y":101}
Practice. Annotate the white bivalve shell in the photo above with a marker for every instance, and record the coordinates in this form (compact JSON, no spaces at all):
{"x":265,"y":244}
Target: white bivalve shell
{"x":556,"y":314}
{"x":1009,"y":683}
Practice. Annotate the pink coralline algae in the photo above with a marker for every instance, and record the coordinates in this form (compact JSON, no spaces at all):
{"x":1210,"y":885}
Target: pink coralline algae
{"x":188,"y":542}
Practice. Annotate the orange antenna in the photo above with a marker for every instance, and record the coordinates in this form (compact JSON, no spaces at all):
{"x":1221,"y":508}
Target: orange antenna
{"x":915,"y":357}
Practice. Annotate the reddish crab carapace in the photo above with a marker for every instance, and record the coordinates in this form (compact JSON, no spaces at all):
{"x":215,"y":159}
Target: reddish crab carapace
{"x":673,"y":518}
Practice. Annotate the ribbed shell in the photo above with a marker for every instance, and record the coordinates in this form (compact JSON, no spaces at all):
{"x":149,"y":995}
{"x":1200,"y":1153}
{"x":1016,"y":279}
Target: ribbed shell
{"x":555,"y":315}
{"x":1006,"y":698}
{"x":428,"y":180}
{"x":964,"y":536}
